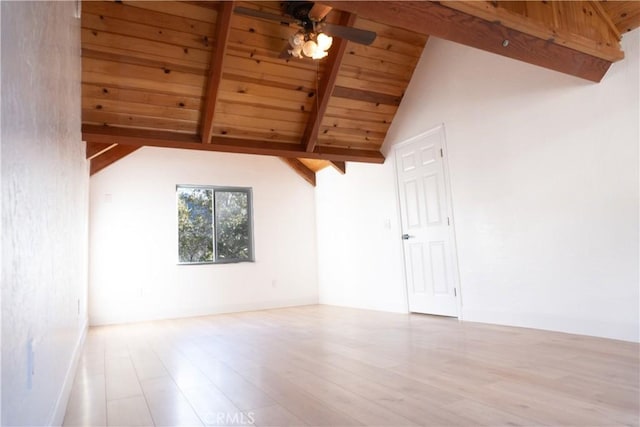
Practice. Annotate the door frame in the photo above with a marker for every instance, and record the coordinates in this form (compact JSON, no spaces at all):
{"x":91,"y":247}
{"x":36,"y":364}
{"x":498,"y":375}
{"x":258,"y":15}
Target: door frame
{"x":440,"y":128}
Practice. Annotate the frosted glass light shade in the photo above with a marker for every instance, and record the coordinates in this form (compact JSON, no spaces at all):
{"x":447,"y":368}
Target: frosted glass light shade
{"x":296,"y":40}
{"x":324,"y":41}
{"x":309,"y":48}
{"x":319,"y":54}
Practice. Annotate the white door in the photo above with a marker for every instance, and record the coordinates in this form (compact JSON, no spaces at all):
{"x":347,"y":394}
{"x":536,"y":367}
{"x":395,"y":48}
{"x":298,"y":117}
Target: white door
{"x":427,"y":226}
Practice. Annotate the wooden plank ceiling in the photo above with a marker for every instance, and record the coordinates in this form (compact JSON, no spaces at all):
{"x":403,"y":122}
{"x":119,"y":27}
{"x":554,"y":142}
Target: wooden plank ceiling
{"x":196,"y":75}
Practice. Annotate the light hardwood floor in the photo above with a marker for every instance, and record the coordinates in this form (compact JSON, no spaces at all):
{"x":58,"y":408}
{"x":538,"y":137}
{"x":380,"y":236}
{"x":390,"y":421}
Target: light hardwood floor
{"x":329,"y":366}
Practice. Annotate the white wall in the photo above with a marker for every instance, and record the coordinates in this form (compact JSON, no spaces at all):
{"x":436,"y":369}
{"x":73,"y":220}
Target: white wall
{"x":359,"y":250}
{"x":133,"y":269}
{"x":544,"y":172}
{"x":44,"y":210}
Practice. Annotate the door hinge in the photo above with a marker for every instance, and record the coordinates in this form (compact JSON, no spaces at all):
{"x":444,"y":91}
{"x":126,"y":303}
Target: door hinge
{"x":441,"y":153}
{"x":455,"y":293}
{"x":448,"y":221}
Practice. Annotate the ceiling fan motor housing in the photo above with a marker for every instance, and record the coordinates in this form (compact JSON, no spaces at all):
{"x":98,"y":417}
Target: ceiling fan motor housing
{"x":300,"y":11}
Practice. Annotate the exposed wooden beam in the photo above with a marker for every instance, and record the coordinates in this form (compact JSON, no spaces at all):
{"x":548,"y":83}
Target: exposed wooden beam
{"x":325,"y":89}
{"x":444,"y":22}
{"x":553,"y":32}
{"x":223,"y":28}
{"x":142,"y":137}
{"x":339,"y":166}
{"x":301,"y":169}
{"x":247,"y":146}
{"x":113,"y":134}
{"x":94,"y":149}
{"x":109,"y":157}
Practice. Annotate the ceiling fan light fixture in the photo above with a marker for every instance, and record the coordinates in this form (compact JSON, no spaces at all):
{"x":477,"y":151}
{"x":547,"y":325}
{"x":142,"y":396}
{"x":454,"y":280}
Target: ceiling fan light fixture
{"x":309,"y":48}
{"x":315,"y":47}
{"x":319,"y":54}
{"x":296,"y":41}
{"x":324,"y":41}
{"x":309,"y":17}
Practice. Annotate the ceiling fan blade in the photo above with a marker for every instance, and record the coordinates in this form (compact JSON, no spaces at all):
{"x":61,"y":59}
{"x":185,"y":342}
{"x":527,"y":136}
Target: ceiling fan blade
{"x":319,"y":11}
{"x":265,"y":15}
{"x":355,"y":35}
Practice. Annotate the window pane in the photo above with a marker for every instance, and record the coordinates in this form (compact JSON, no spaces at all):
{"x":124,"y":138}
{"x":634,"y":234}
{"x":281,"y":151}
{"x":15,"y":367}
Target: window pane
{"x":195,"y":224}
{"x":233,"y":238}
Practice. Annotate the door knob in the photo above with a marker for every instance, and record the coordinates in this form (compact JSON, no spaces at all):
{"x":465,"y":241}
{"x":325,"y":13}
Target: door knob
{"x":406,"y":237}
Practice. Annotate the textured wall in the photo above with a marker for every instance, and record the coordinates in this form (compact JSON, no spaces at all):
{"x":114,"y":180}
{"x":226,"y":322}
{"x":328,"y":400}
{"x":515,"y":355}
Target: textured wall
{"x":134,"y":233}
{"x":544,"y":174}
{"x":44,"y":208}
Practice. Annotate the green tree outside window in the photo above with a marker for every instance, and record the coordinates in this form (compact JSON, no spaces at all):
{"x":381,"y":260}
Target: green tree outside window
{"x":214,"y":224}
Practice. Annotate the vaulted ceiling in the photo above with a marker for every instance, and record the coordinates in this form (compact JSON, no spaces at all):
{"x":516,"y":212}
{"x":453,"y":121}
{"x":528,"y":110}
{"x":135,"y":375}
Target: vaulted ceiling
{"x":196,"y":75}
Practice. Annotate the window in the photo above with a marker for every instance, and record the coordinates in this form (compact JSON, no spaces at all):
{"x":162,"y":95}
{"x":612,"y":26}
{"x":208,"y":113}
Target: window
{"x":214,"y":224}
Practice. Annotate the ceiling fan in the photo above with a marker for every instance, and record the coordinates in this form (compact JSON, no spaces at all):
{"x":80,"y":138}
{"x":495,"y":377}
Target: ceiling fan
{"x":315,"y":36}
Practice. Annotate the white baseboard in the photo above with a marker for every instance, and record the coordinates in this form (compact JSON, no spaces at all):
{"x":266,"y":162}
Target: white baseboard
{"x":389,"y":308}
{"x":57,"y":418}
{"x":551,"y":322}
{"x":101,"y":320}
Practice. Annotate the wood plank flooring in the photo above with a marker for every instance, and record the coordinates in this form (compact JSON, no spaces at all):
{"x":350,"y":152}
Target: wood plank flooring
{"x":330,"y":366}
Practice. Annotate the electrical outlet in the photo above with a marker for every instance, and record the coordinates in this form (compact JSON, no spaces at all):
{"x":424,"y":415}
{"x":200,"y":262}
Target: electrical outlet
{"x":274,"y":283}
